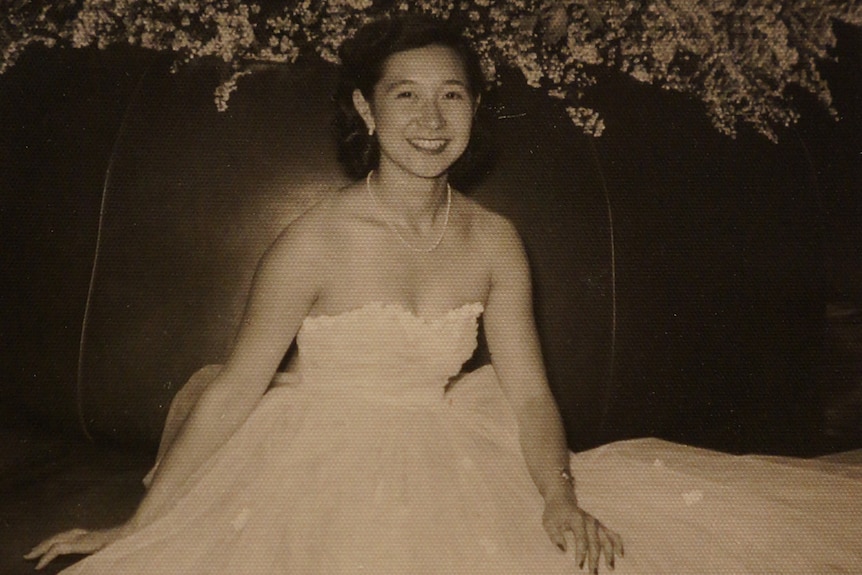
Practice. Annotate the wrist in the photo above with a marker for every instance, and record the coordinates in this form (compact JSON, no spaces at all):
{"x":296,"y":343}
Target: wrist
{"x":561,"y":487}
{"x":566,"y":476}
{"x":557,"y":496}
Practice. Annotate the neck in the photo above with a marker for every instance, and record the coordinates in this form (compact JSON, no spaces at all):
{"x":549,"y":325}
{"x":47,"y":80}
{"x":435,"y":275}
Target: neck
{"x":415,"y":201}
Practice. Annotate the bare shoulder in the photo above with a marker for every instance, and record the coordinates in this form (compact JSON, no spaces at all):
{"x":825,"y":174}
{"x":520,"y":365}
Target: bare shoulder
{"x":508,"y":307}
{"x":312,"y":235}
{"x":301,"y":239}
{"x":494,"y":234}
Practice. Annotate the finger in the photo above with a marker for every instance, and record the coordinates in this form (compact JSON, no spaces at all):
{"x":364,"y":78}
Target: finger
{"x":556,"y":535}
{"x":52,"y":553}
{"x":607,"y":546}
{"x":81,"y":544}
{"x":45,"y":545}
{"x":44,"y":561}
{"x":617,"y":542}
{"x":33,"y":553}
{"x":42,"y":547}
{"x":579,"y":531}
{"x":594,"y":549}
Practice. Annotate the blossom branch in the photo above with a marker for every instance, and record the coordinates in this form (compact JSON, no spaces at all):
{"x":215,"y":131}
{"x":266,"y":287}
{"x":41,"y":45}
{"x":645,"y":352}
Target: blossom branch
{"x":742,"y":63}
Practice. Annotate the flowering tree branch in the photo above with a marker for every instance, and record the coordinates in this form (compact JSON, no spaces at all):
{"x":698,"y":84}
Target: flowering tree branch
{"x":743,"y":59}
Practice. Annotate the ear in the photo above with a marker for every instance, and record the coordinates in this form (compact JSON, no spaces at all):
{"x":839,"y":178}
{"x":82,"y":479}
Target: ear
{"x":364,"y":109}
{"x":477,"y":103}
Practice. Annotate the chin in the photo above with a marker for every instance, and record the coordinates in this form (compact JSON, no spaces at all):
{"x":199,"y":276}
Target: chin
{"x":427,"y":167}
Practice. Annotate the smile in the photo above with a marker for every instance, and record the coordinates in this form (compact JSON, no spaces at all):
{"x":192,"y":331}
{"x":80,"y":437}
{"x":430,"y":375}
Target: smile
{"x":428,"y":145}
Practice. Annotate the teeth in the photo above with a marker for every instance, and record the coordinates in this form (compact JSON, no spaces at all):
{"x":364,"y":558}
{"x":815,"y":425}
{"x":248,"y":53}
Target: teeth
{"x":430,"y":145}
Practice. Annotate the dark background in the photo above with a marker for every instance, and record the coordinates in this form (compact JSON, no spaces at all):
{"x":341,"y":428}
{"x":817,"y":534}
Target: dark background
{"x":730,"y":256}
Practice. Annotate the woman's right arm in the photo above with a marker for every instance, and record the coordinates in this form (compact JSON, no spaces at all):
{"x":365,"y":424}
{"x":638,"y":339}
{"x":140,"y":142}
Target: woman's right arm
{"x":285,"y":286}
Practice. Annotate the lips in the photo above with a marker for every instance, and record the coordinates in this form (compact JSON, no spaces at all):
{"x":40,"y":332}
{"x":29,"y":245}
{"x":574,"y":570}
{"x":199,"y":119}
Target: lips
{"x":429,"y":144}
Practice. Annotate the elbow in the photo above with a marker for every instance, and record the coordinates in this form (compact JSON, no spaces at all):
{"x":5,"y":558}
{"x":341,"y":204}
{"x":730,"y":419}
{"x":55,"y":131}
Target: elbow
{"x":226,"y":395}
{"x":537,"y":407}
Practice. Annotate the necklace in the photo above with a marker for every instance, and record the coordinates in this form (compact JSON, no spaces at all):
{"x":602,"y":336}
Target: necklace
{"x":397,"y":233}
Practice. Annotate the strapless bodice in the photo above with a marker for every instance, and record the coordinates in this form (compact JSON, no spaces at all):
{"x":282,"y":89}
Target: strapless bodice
{"x":386,"y":348}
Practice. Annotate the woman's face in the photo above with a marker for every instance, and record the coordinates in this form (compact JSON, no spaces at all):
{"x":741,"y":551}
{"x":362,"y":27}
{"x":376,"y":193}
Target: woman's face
{"x":422,"y":110}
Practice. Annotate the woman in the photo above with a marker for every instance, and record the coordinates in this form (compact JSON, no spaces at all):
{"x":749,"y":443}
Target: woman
{"x":375,"y":460}
{"x":380,"y":457}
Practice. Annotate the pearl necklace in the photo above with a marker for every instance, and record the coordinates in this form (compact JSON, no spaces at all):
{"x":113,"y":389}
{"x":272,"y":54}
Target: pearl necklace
{"x":394,"y":229}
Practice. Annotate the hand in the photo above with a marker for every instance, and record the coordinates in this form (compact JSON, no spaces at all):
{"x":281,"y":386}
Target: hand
{"x":74,"y":541}
{"x":592,"y":539}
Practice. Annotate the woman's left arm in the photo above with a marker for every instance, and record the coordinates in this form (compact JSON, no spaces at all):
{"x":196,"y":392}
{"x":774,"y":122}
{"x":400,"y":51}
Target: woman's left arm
{"x":516,"y":356}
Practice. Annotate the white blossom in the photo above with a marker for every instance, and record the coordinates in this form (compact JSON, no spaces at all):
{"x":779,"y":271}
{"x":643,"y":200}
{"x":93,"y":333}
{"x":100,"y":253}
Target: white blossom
{"x":741,"y":61}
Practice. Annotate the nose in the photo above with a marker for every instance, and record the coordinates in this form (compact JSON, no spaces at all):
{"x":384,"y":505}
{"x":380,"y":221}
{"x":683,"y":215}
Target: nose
{"x":430,"y":115}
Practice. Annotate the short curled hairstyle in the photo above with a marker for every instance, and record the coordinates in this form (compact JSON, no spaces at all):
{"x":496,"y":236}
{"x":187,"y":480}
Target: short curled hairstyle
{"x":362,"y":59}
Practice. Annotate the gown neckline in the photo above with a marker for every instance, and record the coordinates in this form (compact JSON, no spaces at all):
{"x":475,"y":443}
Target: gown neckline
{"x":475,"y":307}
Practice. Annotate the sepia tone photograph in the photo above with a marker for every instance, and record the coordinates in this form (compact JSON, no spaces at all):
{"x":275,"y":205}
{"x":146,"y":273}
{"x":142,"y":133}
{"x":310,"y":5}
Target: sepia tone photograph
{"x":430,"y":287}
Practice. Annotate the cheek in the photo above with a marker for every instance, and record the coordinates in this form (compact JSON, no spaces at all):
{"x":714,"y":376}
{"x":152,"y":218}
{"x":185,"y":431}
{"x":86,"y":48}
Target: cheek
{"x":464,"y":122}
{"x":390,"y":114}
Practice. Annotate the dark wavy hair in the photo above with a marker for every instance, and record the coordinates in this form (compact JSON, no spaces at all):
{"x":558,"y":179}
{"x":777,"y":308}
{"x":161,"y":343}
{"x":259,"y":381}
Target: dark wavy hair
{"x":362,"y":60}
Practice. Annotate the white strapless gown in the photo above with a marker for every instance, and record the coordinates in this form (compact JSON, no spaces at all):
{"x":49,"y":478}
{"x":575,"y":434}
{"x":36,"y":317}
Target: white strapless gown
{"x":370,"y":463}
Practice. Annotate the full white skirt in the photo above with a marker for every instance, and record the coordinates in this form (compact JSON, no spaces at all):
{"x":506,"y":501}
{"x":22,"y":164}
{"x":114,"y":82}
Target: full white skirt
{"x":320,"y":483}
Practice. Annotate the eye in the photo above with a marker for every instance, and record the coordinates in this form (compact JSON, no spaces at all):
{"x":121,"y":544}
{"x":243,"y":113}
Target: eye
{"x":454,"y":95}
{"x":404,"y":95}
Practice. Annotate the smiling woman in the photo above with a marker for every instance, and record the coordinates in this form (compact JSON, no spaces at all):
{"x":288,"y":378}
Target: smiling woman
{"x":421,"y":110}
{"x":377,"y":429}
{"x":364,"y":64}
{"x":379,"y":451}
